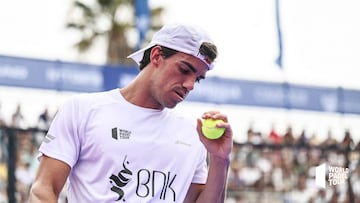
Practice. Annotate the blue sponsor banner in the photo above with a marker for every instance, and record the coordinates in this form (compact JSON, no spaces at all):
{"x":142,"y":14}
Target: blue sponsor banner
{"x":263,"y":94}
{"x":239,"y":92}
{"x":216,"y":90}
{"x":24,"y":72}
{"x":118,"y":77}
{"x":351,"y":101}
{"x":277,"y":95}
{"x":312,"y":98}
{"x":65,"y":76}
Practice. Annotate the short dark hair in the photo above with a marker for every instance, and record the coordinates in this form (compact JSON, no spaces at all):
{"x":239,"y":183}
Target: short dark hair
{"x":207,"y":49}
{"x":166,"y":52}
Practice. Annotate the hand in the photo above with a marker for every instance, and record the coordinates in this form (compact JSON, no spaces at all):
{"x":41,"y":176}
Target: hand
{"x":218,"y":147}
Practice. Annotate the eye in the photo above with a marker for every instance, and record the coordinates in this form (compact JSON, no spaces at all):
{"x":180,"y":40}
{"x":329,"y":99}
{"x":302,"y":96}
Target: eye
{"x":187,"y":69}
{"x":184,"y":71}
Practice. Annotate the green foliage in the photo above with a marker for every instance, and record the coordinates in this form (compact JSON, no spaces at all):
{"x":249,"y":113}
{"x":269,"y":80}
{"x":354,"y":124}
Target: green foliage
{"x":111,"y":20}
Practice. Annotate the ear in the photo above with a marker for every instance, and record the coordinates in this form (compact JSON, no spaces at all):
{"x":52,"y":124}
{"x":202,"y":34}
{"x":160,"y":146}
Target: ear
{"x":155,"y":55}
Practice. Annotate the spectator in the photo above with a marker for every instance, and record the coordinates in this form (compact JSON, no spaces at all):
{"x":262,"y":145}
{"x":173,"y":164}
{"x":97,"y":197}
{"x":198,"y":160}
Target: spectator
{"x":24,"y":177}
{"x":254,"y":137}
{"x":347,"y":142}
{"x":44,"y":120}
{"x":250,"y":173}
{"x":234,"y":182}
{"x":355,"y":177}
{"x":302,"y":140}
{"x":3,"y":138}
{"x":301,"y":193}
{"x":274,"y":137}
{"x":3,"y":197}
{"x":357,"y":146}
{"x":288,"y":138}
{"x":2,"y":118}
{"x":3,"y":174}
{"x":330,"y":141}
{"x":18,"y":120}
{"x":237,"y":198}
{"x":314,"y":140}
{"x":320,"y":197}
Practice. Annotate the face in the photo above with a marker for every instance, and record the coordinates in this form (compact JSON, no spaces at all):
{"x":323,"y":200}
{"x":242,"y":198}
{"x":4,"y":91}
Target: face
{"x":175,"y":77}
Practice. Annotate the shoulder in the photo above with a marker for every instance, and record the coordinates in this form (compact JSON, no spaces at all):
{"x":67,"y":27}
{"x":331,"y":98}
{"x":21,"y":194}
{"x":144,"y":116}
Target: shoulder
{"x":91,"y":99}
{"x":94,"y":96}
{"x":84,"y":103}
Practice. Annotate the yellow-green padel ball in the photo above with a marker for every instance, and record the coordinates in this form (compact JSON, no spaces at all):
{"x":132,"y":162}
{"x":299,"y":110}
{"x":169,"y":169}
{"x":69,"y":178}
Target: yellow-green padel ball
{"x":210,"y":130}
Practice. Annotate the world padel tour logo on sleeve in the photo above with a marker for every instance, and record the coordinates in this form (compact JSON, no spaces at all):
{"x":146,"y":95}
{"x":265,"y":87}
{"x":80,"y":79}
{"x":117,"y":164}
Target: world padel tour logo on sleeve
{"x":334,"y":175}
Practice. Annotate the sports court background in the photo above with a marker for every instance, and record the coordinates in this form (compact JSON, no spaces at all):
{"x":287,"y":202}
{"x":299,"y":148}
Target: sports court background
{"x":321,"y":49}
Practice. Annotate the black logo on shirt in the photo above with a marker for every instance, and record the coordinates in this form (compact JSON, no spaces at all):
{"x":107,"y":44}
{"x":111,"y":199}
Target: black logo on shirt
{"x":146,"y":183}
{"x":120,"y":133}
{"x":120,"y":180}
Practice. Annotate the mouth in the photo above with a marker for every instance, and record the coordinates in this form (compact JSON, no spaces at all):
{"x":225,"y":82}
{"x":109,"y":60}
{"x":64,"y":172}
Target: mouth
{"x":181,"y":95}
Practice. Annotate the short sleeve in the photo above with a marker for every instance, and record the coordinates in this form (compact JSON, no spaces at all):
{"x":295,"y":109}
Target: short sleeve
{"x":62,"y":140}
{"x":201,"y":172}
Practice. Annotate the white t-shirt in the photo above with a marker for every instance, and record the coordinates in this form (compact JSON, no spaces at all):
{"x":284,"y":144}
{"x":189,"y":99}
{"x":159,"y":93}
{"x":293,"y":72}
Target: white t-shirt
{"x":120,"y":152}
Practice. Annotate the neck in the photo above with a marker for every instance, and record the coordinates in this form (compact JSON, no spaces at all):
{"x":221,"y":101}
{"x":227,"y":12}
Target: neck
{"x":138,"y":93}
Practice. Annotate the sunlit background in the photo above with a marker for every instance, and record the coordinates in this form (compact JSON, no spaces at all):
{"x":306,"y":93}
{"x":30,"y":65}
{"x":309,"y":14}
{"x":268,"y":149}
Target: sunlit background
{"x":320,"y":48}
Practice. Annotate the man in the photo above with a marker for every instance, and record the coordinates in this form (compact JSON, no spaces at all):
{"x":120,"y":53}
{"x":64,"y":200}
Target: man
{"x":126,"y":145}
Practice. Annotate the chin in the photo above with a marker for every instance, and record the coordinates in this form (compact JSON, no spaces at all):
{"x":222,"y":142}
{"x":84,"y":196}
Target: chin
{"x":171,"y":106}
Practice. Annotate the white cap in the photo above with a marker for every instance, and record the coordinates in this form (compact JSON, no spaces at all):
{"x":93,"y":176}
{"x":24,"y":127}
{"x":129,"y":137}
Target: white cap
{"x":180,"y":37}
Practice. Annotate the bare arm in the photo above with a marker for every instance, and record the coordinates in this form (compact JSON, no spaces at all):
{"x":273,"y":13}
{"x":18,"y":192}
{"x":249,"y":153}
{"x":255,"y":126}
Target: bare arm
{"x":215,"y":188}
{"x":49,"y":180}
{"x":216,"y":182}
{"x":214,"y":191}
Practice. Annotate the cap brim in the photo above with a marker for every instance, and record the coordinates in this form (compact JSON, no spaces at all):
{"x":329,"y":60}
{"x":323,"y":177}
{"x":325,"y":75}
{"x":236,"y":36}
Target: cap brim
{"x":138,"y":55}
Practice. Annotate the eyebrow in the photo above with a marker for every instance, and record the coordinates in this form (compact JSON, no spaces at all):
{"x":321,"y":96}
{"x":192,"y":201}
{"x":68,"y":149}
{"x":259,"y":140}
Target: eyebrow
{"x":190,"y":66}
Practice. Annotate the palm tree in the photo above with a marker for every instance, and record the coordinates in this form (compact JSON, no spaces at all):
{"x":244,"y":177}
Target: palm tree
{"x":112,"y":19}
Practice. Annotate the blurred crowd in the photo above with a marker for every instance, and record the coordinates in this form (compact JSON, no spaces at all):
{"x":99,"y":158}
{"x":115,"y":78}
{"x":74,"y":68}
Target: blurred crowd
{"x":273,"y":167}
{"x":269,"y":167}
{"x":27,"y":143}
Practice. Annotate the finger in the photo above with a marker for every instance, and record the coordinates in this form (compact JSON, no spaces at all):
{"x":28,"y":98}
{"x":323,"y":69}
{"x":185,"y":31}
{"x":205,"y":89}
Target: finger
{"x":225,"y":125}
{"x":199,"y":126}
{"x":215,"y":115}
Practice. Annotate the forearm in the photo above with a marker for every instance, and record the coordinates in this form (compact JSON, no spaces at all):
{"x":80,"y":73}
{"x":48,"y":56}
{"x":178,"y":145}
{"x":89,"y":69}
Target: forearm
{"x":215,"y":188}
{"x":42,"y":195}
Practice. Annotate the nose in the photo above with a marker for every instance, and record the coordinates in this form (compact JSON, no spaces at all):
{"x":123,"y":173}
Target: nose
{"x":189,"y":84}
